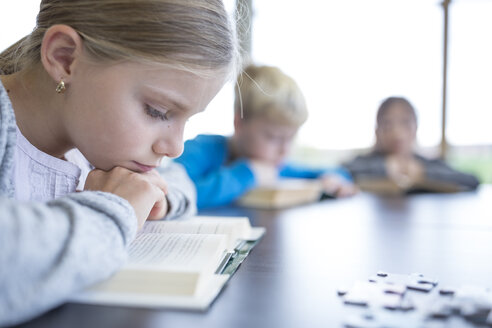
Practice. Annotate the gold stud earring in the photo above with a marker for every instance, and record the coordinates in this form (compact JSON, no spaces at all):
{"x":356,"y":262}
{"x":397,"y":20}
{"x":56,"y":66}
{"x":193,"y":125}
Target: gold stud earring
{"x":60,"y":88}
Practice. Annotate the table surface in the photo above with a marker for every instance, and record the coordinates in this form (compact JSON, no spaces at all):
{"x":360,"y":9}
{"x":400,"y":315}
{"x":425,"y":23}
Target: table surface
{"x":291,"y":277}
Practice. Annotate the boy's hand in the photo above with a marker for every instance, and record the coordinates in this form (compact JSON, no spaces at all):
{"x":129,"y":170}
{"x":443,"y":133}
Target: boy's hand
{"x":335,"y":185}
{"x":146,"y":192}
{"x":265,"y":174}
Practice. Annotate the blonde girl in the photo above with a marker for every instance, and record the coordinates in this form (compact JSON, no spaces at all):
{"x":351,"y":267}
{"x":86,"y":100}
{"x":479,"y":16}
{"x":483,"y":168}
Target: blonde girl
{"x":104,"y":86}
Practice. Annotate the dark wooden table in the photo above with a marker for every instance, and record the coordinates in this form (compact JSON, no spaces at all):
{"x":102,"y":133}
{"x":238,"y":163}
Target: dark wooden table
{"x":291,"y":277}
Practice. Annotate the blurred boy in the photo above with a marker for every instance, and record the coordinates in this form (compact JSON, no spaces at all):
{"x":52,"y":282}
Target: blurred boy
{"x":268,"y":111}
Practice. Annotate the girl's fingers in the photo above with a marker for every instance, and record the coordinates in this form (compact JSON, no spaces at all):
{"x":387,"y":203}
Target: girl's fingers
{"x":157,"y":180}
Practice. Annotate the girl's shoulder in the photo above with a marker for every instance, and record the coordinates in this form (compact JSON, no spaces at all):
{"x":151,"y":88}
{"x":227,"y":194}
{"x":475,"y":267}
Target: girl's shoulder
{"x":7,"y":142}
{"x":6,"y":111}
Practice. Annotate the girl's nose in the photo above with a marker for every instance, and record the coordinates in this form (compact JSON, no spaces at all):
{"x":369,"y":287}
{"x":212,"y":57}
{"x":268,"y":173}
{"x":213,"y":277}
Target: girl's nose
{"x":170,"y":145}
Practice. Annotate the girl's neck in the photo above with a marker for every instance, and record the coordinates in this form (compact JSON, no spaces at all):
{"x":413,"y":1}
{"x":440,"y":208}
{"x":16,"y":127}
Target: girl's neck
{"x":37,"y":109}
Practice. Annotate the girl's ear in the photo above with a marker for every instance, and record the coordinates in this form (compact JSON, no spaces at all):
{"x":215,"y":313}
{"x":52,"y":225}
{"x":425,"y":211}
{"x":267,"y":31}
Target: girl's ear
{"x":61,"y":50}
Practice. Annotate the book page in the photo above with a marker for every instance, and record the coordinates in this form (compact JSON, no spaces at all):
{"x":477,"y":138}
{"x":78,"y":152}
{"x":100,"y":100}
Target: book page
{"x":179,"y":252}
{"x":176,"y":270}
{"x":245,"y":231}
{"x":234,"y":228}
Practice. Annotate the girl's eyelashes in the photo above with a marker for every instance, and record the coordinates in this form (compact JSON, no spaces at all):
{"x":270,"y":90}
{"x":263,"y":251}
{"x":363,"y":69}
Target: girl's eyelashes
{"x":154,"y":113}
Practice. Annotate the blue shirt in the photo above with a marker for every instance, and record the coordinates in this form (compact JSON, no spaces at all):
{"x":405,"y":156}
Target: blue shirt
{"x":219,"y":181}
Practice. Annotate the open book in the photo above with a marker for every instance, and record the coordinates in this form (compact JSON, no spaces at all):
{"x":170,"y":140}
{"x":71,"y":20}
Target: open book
{"x":178,"y":264}
{"x":387,"y":186}
{"x":284,"y":193}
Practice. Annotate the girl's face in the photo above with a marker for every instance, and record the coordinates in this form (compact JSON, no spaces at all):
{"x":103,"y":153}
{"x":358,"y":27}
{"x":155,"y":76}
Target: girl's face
{"x":264,"y":140}
{"x":131,"y":114}
{"x":397,"y":130}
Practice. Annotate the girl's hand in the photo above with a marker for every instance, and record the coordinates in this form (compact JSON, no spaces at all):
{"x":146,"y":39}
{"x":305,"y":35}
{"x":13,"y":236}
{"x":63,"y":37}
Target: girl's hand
{"x":146,"y":192}
{"x":161,"y":208}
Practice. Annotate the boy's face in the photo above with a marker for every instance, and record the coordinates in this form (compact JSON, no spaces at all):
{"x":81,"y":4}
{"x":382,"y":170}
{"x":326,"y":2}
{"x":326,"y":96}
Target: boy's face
{"x":264,"y":140}
{"x":132,"y":115}
{"x":397,"y":130}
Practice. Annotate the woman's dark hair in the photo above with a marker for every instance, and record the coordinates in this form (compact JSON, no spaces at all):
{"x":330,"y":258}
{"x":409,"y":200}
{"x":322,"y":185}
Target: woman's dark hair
{"x":388,"y":102}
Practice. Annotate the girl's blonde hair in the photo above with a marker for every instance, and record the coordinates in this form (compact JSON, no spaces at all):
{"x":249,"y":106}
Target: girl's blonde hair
{"x":194,"y":35}
{"x":267,"y":92}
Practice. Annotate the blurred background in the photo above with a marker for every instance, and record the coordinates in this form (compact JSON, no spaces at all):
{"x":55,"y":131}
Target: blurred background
{"x":347,"y":56}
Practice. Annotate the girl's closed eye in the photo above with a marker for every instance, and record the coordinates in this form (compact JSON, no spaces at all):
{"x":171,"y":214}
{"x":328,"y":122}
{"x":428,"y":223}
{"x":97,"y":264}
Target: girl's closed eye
{"x":154,"y":113}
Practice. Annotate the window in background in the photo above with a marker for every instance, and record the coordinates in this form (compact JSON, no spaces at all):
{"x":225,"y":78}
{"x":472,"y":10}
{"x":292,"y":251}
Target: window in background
{"x":217,"y":118}
{"x":347,"y":56}
{"x":18,"y":20}
{"x":470,"y":73}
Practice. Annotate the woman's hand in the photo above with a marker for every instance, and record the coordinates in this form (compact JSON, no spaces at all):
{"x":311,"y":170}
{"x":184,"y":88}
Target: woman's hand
{"x":405,"y":171}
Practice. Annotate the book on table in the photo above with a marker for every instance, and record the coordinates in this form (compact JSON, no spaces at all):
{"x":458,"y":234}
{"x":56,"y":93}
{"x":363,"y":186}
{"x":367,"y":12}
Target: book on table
{"x":284,"y":193}
{"x":178,"y":264}
{"x":385,"y":185}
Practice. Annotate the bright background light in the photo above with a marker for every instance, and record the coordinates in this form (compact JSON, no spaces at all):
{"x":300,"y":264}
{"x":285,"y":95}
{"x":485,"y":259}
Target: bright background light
{"x":347,"y":56}
{"x":18,"y":20}
{"x":470,"y":73}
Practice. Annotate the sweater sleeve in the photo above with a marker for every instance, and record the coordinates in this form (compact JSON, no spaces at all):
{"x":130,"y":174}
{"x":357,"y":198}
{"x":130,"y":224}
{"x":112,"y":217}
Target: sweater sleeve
{"x":298,"y":171}
{"x":181,"y":192}
{"x":216,"y":182}
{"x":367,"y":166}
{"x":437,"y":170}
{"x":52,"y":250}
{"x":224,"y":185}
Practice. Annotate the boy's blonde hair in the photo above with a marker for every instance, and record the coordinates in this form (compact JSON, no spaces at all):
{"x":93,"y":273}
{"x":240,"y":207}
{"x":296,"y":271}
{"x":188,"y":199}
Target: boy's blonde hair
{"x":267,"y":92}
{"x":194,"y":35}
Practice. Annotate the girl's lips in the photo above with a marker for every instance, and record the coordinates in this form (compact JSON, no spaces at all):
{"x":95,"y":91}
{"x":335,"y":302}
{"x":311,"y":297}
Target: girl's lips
{"x":143,"y":168}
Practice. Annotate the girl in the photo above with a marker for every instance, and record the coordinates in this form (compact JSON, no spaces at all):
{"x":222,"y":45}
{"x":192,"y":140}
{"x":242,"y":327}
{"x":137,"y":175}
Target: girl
{"x":110,"y":83}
